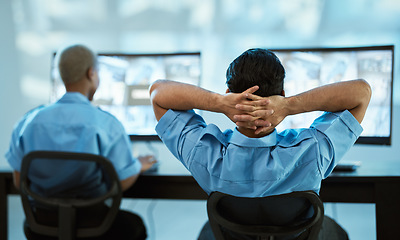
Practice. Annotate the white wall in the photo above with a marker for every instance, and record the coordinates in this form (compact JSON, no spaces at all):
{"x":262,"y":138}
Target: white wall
{"x":10,"y":96}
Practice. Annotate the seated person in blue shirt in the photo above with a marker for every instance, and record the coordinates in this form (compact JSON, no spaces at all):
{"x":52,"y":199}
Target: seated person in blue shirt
{"x":73,"y":124}
{"x":254,"y":160}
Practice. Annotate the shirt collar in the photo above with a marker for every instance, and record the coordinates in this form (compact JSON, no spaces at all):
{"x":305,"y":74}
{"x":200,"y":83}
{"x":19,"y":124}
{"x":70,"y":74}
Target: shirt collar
{"x":239,"y":139}
{"x":74,"y":97}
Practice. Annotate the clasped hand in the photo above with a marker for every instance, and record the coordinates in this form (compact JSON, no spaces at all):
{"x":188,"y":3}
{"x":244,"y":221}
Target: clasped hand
{"x":255,"y":112}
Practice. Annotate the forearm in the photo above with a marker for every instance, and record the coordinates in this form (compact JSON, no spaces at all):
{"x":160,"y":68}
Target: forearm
{"x":179,"y":96}
{"x":127,"y":183}
{"x":350,"y":95}
{"x":16,"y":179}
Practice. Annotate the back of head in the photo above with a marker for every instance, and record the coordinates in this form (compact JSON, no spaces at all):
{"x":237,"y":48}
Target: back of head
{"x":256,"y":67}
{"x":74,"y":62}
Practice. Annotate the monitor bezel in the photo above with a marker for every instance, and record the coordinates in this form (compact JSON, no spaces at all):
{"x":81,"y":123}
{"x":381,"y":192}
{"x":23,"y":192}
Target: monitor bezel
{"x":362,"y":139}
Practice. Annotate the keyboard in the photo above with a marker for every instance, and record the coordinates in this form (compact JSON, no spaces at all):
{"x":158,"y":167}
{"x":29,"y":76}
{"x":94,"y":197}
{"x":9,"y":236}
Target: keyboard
{"x":347,"y":166}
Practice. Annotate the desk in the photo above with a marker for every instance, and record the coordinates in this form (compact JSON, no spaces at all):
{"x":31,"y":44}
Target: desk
{"x":371,"y":183}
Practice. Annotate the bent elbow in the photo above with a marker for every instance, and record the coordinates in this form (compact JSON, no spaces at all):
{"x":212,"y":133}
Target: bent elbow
{"x":367,"y":90}
{"x":153,"y":90}
{"x":154,"y":86}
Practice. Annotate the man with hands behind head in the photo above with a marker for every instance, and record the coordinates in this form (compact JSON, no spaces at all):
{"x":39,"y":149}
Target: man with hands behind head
{"x":254,"y":160}
{"x":73,"y":124}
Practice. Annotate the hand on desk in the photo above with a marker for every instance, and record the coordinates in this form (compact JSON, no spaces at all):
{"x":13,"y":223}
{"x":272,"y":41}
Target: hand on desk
{"x":147,"y":162}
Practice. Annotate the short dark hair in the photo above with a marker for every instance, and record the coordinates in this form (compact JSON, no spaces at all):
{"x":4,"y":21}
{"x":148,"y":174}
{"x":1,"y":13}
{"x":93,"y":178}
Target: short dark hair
{"x":256,"y":66}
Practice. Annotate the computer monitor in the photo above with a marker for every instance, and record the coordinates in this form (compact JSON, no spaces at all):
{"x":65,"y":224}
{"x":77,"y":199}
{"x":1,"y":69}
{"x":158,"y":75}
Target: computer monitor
{"x":313,"y":67}
{"x":124,"y":86}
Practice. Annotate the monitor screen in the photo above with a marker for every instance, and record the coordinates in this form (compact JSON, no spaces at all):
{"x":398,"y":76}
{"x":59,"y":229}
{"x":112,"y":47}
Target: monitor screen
{"x":310,"y":68}
{"x":124,"y":86}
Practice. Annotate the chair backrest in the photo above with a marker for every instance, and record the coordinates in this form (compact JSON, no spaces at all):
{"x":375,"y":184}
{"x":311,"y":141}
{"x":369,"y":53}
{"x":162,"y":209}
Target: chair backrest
{"x":64,"y":206}
{"x":296,"y":215}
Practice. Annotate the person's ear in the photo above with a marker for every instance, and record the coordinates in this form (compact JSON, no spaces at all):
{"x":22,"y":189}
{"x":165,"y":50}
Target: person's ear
{"x":283,"y":93}
{"x":90,"y":73}
{"x":227,"y":90}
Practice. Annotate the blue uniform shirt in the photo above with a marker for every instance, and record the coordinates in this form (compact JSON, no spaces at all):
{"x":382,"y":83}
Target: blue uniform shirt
{"x":71,"y":124}
{"x":229,"y":162}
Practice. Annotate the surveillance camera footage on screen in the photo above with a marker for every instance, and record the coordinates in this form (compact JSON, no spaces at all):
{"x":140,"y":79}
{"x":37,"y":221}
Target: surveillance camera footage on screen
{"x":124,"y":85}
{"x":310,"y":68}
{"x":125,"y":80}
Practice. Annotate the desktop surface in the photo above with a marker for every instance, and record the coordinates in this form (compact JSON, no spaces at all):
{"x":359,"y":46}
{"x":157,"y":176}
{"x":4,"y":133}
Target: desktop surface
{"x":373,"y":168}
{"x":368,"y":168}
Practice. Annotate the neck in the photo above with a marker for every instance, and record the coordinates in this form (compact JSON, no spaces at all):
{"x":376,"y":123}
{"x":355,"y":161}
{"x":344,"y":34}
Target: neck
{"x":78,"y":87}
{"x":250,"y":132}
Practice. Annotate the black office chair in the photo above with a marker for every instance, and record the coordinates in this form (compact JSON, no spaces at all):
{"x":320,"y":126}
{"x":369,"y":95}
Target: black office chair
{"x":296,"y":215}
{"x":64,"y":208}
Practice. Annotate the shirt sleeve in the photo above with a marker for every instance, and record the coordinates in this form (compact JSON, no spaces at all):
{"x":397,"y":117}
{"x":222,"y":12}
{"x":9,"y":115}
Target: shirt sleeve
{"x":180,"y":132}
{"x":336,"y":134}
{"x":15,"y":152}
{"x":119,"y":152}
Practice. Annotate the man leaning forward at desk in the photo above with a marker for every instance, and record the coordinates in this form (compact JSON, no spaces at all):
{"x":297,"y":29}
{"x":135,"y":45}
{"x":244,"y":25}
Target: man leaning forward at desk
{"x":73,"y":124}
{"x":254,"y":160}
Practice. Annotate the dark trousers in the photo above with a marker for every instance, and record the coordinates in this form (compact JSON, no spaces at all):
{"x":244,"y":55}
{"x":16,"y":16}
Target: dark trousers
{"x":126,"y":226}
{"x":330,"y":230}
